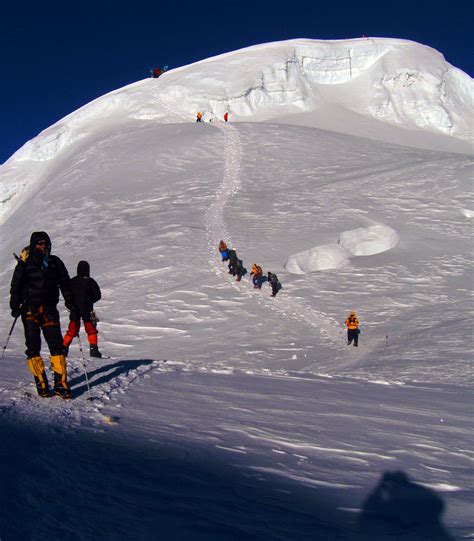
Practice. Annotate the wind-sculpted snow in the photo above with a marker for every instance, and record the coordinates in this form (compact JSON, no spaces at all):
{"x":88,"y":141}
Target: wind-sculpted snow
{"x":371,"y":240}
{"x":319,"y":258}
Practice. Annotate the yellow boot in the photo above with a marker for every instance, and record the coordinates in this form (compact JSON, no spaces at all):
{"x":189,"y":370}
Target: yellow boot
{"x":61,"y":387}
{"x":36,"y":366}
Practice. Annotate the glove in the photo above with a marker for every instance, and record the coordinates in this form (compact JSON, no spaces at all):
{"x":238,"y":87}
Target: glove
{"x":16,"y":312}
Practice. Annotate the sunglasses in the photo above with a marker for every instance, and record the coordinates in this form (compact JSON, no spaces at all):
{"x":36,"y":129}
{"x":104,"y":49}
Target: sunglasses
{"x":42,"y":243}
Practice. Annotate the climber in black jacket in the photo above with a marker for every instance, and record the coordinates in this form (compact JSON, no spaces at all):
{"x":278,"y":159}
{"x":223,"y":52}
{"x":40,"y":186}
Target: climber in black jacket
{"x":34,"y":294}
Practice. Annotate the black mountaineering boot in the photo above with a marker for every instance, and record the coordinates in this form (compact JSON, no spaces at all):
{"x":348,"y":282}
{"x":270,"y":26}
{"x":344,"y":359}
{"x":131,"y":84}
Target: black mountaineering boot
{"x":94,"y":352}
{"x":61,"y":388}
{"x":42,"y":387}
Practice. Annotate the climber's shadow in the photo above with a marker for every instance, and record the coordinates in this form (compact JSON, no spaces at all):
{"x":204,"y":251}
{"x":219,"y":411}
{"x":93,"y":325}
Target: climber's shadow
{"x":399,"y":508}
{"x":105,"y":374}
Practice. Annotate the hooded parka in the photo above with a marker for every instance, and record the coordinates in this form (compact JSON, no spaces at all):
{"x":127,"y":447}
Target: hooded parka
{"x":37,"y":281}
{"x":85,"y":289}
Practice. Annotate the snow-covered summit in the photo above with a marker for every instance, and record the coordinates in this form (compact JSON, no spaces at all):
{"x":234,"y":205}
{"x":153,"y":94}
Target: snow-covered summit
{"x":398,"y":82}
{"x":385,"y":89}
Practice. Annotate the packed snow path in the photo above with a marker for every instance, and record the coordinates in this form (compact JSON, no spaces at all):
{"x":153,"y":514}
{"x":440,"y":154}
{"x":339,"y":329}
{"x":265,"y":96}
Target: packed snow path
{"x":217,"y":230}
{"x":231,"y":181}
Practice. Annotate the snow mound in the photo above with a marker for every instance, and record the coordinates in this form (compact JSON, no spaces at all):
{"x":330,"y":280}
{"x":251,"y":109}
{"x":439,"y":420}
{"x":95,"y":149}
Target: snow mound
{"x":329,"y":256}
{"x":363,"y":241}
{"x":369,"y":240}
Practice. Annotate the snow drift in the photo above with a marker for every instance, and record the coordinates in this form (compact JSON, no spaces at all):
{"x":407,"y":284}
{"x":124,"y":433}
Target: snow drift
{"x":371,"y":240}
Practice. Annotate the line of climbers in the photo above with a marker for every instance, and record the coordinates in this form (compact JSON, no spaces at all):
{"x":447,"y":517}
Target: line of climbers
{"x":34,"y":294}
{"x":236,"y":268}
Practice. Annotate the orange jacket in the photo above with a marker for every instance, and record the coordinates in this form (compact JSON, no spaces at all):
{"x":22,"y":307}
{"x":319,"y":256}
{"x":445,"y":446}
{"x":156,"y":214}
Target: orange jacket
{"x":222,"y":246}
{"x":256,"y":270}
{"x":352,"y":322}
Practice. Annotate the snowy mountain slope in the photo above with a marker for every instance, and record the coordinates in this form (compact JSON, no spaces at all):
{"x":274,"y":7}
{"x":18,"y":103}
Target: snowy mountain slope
{"x":242,"y":386}
{"x":150,"y":205}
{"x":262,"y":424}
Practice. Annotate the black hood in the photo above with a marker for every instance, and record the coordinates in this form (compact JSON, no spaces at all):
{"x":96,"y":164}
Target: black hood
{"x":36,"y":237}
{"x":83,"y":269}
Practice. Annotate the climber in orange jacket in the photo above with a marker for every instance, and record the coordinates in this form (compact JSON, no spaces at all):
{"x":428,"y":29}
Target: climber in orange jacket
{"x":257,"y":276}
{"x":353,"y":331}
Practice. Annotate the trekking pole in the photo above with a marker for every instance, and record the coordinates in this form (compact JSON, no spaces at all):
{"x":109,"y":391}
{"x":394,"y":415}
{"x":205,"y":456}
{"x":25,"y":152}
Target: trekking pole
{"x":84,"y":365}
{"x":341,"y":335}
{"x":8,"y":338}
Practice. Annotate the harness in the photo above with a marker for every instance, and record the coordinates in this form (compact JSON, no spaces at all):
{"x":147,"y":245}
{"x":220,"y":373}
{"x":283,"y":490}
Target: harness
{"x":40,"y":318}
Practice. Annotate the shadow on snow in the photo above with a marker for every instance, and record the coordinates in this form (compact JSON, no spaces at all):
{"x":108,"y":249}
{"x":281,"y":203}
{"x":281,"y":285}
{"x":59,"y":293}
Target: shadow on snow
{"x":98,"y":485}
{"x":107,"y":373}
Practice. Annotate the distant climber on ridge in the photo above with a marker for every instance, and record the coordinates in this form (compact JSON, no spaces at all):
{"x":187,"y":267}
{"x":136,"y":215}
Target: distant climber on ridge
{"x":156,"y":72}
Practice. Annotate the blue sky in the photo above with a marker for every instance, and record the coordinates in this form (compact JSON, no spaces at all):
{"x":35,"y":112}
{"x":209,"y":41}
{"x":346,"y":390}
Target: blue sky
{"x":58,"y":56}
